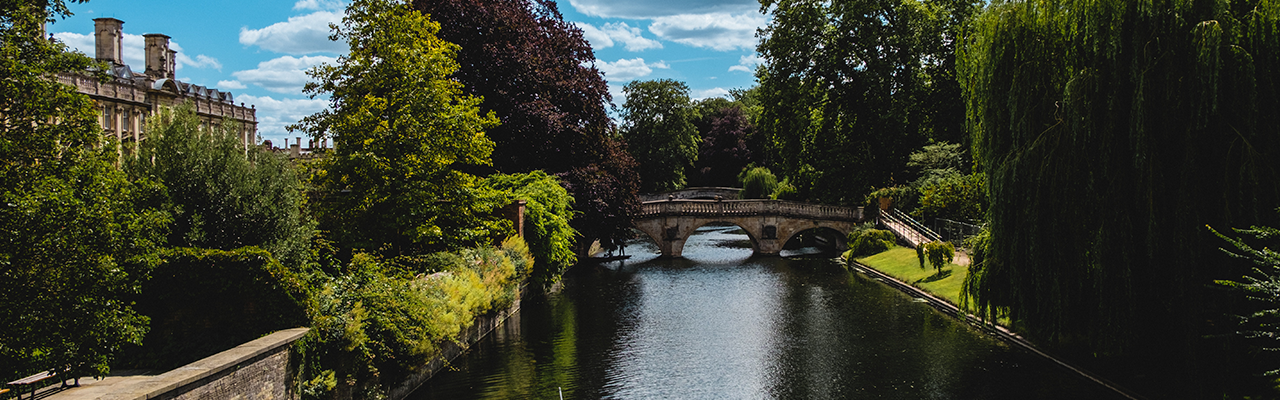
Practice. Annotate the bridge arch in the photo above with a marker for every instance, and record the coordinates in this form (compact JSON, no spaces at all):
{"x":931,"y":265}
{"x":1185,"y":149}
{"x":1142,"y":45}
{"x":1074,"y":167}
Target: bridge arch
{"x":768,"y":223}
{"x":670,"y":236}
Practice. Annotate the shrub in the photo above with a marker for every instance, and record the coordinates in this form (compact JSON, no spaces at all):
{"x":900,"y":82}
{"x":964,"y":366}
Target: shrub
{"x":548,"y":210}
{"x":871,"y":241}
{"x":939,"y":253}
{"x":785,"y":191}
{"x":203,"y":301}
{"x":371,"y":329}
{"x":957,"y":197}
{"x":758,"y":183}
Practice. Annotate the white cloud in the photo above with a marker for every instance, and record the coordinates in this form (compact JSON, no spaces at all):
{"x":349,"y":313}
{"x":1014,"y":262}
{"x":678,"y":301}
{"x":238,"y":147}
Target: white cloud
{"x":708,"y":93}
{"x":282,"y":75}
{"x":326,"y":5}
{"x":299,"y":35}
{"x":605,"y":35}
{"x":717,"y":31}
{"x":135,"y":51}
{"x":624,"y":70}
{"x":230,"y":85}
{"x":660,"y":8}
{"x":275,"y":114}
{"x":748,"y":63}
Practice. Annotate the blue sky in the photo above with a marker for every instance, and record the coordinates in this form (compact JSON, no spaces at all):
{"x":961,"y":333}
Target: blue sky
{"x":258,"y":50}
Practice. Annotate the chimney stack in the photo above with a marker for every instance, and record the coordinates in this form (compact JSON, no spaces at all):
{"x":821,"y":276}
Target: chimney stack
{"x":108,"y":37}
{"x":159,"y":57}
{"x":173,"y":63}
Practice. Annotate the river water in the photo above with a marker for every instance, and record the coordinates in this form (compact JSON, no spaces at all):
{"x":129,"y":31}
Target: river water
{"x":721,"y":324}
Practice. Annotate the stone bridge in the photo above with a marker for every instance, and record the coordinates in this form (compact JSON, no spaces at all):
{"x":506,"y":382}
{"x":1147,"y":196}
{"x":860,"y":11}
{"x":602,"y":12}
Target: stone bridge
{"x":769,"y":223}
{"x":709,"y":193}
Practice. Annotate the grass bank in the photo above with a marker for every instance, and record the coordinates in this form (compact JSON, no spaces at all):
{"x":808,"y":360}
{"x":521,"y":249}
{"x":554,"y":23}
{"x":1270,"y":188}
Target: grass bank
{"x":901,"y":263}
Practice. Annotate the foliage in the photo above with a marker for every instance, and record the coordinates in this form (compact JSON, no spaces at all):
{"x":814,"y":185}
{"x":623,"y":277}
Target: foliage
{"x":605,"y":197}
{"x":74,"y":247}
{"x":920,"y":255}
{"x":1111,"y":132}
{"x":724,"y":152}
{"x":900,"y":197}
{"x":548,"y":210}
{"x":939,"y":253}
{"x":867,"y":242}
{"x":658,"y":127}
{"x":203,"y":301}
{"x":403,"y":131}
{"x":222,"y":193}
{"x":937,"y":159}
{"x":1261,"y":286}
{"x":757,"y":183}
{"x":956,"y":197}
{"x":785,"y":191}
{"x":370,"y":330}
{"x":849,"y":88}
{"x":536,"y":73}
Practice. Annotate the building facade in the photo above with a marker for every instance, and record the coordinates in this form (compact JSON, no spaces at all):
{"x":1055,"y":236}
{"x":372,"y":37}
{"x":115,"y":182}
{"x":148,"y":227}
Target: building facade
{"x":129,"y":98}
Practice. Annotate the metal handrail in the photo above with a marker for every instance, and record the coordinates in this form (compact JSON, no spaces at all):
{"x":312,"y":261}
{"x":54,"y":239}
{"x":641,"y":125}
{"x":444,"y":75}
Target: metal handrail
{"x":928,"y":233}
{"x":901,"y":229}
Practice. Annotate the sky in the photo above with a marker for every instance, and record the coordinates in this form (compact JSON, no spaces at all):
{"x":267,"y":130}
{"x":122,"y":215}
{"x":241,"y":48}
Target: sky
{"x":259,"y":50}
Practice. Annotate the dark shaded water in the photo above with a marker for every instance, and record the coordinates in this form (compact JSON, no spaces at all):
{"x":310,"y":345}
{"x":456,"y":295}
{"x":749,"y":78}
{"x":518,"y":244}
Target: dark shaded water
{"x":721,"y":324}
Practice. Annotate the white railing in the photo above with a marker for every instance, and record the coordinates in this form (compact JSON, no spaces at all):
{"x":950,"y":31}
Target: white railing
{"x":903,"y":227}
{"x":736,"y":208}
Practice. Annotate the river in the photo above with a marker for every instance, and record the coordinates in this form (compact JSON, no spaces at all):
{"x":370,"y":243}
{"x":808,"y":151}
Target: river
{"x":721,"y":324}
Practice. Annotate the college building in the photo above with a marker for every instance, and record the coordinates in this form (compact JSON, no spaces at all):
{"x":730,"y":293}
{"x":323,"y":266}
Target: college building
{"x":129,"y":98}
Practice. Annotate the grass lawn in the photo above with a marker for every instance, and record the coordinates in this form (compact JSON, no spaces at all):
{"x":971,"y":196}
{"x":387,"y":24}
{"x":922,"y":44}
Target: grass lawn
{"x":901,"y":263}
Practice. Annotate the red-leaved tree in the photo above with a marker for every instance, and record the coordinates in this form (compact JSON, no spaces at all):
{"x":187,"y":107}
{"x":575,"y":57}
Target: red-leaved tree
{"x":534,"y":71}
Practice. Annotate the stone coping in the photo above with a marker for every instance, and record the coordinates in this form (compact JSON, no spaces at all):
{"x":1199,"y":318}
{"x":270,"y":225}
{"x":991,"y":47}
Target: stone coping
{"x":141,"y":387}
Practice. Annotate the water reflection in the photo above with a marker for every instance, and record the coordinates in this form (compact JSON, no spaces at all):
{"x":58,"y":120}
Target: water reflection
{"x":723,"y":324}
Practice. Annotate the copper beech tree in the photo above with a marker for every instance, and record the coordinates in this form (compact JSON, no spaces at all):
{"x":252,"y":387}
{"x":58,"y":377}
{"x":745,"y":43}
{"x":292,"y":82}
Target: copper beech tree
{"x":534,"y":71}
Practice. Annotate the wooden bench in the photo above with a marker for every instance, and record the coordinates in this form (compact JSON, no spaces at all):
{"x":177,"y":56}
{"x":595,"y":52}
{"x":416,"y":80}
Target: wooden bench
{"x":32,"y":380}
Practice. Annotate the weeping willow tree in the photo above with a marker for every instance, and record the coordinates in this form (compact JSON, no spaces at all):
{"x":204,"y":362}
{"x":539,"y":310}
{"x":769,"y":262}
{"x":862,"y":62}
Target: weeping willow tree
{"x":1112,"y":132}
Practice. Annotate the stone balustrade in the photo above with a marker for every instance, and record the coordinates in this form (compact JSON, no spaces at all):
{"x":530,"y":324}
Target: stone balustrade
{"x":741,"y":208}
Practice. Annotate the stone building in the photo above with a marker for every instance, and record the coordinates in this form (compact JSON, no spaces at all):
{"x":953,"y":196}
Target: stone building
{"x":129,"y":98}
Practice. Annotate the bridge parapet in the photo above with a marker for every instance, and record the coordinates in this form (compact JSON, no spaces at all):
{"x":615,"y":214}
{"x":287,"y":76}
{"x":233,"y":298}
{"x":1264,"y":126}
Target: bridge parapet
{"x":725,"y":193}
{"x":742,"y":208}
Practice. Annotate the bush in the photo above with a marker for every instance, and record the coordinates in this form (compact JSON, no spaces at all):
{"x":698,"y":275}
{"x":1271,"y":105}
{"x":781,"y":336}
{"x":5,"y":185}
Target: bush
{"x":758,"y":183}
{"x":939,"y":253}
{"x":957,"y":197}
{"x":371,"y":329}
{"x":203,"y":301}
{"x":785,"y":191}
{"x":904,"y":197}
{"x":548,"y":210}
{"x":870,"y":241}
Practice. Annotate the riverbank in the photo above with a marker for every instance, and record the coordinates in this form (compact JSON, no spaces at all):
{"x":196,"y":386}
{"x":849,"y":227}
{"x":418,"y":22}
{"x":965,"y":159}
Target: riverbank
{"x":902,"y":264}
{"x":942,"y":290}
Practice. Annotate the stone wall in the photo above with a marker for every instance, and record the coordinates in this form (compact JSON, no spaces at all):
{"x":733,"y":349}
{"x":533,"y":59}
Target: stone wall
{"x":450,"y":350}
{"x":258,"y":370}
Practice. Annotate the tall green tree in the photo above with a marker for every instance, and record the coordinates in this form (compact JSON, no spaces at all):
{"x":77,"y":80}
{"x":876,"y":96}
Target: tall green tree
{"x":536,"y":73}
{"x":850,"y":87}
{"x":404,"y":134}
{"x":74,"y":248}
{"x":1111,"y":132}
{"x":221,"y":194}
{"x":658,"y":127}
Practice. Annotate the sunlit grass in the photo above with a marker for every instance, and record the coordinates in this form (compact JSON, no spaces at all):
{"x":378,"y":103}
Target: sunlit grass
{"x":901,"y":263}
